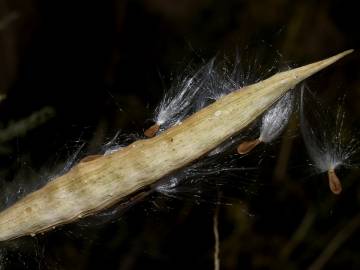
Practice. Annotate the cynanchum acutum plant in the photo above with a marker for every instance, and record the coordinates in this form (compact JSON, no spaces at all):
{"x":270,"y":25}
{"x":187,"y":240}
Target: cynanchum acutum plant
{"x":99,"y":182}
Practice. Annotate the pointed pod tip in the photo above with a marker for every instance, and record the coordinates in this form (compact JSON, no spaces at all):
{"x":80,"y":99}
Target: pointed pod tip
{"x":340,"y":55}
{"x":296,"y":75}
{"x":336,"y":57}
{"x":348,"y":52}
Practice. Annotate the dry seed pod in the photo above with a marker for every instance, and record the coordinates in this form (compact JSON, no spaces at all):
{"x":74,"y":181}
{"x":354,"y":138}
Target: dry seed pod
{"x":92,"y":186}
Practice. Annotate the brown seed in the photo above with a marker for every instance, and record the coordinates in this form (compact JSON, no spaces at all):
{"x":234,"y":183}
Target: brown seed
{"x":151,"y":131}
{"x":90,"y":158}
{"x":247,"y":146}
{"x":334,"y":182}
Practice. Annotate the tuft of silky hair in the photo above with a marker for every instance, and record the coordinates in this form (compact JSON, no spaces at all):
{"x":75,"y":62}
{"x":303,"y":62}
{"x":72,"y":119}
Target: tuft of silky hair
{"x":178,"y":102}
{"x":276,"y":118}
{"x":196,"y":89}
{"x":329,"y":144}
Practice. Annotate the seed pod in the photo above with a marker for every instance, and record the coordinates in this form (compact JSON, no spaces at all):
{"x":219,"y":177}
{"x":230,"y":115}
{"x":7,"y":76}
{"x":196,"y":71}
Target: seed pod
{"x":92,"y":186}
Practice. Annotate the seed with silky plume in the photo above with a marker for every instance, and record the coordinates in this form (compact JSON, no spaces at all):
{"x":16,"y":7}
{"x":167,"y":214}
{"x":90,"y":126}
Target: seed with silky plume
{"x":179,"y":101}
{"x":329,"y":145}
{"x":272,"y":124}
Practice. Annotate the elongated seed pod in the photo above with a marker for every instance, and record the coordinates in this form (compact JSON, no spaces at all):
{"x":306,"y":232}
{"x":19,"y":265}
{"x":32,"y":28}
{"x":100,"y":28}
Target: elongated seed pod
{"x":98,"y":183}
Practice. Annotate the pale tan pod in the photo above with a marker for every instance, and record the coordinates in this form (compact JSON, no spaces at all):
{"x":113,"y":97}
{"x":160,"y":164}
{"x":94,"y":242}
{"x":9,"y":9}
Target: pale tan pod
{"x":99,"y":183}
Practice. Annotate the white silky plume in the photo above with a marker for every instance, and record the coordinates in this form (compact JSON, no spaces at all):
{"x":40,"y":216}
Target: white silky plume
{"x":202,"y":177}
{"x":217,"y":78}
{"x":118,"y":142}
{"x":212,"y":81}
{"x":220,"y":81}
{"x":329,"y":145}
{"x":178,"y":102}
{"x":225,"y":76}
{"x":276,"y":118}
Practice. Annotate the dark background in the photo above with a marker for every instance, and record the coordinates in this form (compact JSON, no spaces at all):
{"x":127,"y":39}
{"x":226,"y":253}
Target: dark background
{"x":102,"y":66}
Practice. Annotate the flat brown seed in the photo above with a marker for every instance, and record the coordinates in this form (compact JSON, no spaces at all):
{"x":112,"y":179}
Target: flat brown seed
{"x":334,"y":182}
{"x":90,"y":158}
{"x":247,"y":146}
{"x":151,"y":131}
